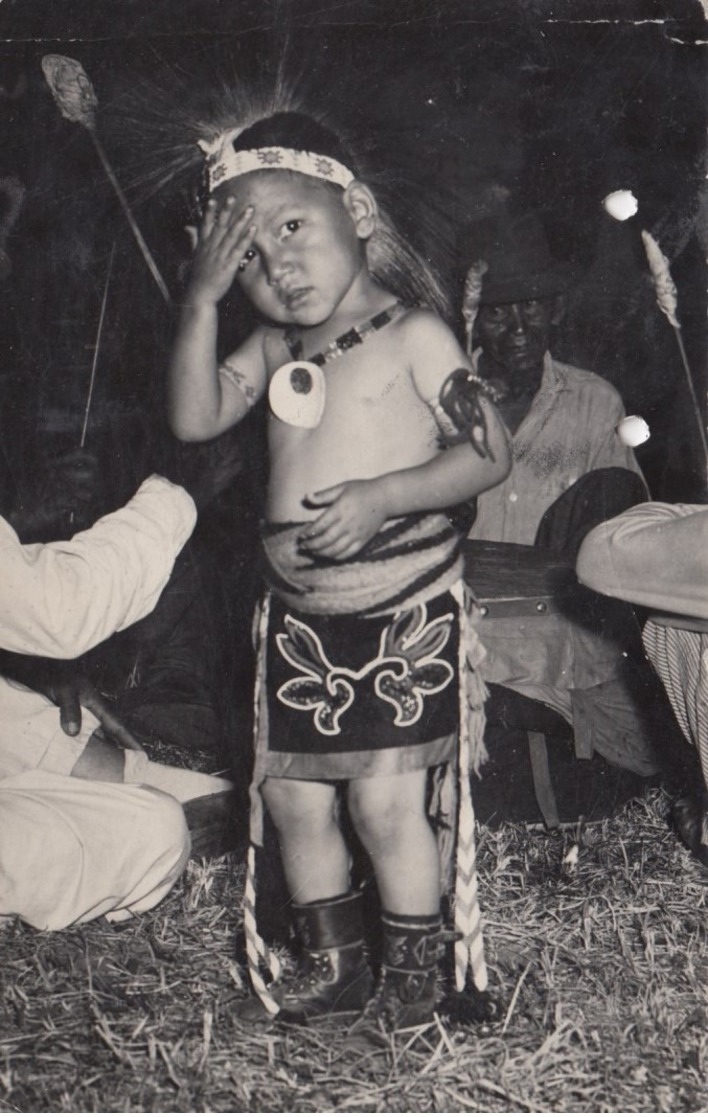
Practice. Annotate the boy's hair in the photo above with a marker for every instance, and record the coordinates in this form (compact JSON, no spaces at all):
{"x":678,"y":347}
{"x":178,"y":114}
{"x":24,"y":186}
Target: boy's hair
{"x":295,"y":130}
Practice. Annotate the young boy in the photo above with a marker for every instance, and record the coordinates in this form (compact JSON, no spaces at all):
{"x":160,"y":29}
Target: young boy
{"x":361,"y":648}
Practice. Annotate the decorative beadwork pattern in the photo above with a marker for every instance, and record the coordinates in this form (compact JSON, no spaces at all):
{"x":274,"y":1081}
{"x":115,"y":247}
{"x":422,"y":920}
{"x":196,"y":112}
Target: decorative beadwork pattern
{"x":223,"y":163}
{"x":342,"y":344}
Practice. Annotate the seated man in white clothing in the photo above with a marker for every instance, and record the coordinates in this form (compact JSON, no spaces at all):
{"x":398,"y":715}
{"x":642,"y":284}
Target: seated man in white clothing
{"x":84,"y":830}
{"x":174,"y":657}
{"x":656,"y":555}
{"x":570,"y":470}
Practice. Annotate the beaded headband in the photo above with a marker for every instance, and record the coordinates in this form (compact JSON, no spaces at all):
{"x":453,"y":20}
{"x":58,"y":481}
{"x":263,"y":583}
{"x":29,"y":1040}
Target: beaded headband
{"x":223,"y":163}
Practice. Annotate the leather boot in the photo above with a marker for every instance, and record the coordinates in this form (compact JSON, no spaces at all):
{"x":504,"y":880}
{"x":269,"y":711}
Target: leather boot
{"x":689,"y":814}
{"x":334,"y":979}
{"x":405,"y":992}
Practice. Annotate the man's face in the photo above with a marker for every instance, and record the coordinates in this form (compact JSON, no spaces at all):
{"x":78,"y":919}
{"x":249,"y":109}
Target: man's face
{"x":514,"y":336}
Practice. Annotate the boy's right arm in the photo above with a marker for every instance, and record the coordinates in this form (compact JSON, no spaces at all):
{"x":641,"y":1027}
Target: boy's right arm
{"x":205,"y":399}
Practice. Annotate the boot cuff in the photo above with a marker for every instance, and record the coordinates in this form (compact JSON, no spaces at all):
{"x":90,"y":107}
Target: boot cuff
{"x":328,"y":924}
{"x":411,"y":943}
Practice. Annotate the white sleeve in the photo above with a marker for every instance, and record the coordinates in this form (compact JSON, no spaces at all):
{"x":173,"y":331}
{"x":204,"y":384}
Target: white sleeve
{"x":654,"y":555}
{"x":60,"y":599}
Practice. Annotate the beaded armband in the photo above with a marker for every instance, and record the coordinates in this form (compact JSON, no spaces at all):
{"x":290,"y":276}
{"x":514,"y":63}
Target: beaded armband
{"x":239,"y":380}
{"x":458,"y":412}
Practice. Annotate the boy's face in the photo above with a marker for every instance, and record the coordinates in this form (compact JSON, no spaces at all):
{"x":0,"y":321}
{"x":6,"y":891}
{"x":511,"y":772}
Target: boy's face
{"x":306,"y":253}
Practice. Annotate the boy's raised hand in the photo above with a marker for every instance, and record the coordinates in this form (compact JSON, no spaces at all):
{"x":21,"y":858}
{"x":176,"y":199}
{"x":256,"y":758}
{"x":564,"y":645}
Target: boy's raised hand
{"x":354,"y":512}
{"x":224,"y":237}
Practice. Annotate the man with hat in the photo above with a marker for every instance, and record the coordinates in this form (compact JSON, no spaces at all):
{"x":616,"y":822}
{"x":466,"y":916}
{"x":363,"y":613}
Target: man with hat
{"x":562,"y":419}
{"x":570,"y":471}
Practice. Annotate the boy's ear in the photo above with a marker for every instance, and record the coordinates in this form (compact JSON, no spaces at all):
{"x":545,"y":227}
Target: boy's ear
{"x":361,"y":205}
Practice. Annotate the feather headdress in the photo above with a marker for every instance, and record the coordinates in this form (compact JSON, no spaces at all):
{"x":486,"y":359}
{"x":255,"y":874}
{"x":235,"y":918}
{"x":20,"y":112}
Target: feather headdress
{"x":167,"y":119}
{"x":470,"y":298}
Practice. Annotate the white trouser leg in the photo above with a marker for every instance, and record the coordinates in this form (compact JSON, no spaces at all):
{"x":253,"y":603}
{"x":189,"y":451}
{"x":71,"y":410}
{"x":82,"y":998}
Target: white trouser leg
{"x":72,"y":850}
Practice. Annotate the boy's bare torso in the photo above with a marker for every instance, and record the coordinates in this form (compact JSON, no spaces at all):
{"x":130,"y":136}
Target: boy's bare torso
{"x":374,"y":422}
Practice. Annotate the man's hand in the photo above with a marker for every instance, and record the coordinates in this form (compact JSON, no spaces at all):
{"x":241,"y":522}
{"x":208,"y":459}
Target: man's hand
{"x":64,"y":684}
{"x":354,"y":512}
{"x":71,"y":694}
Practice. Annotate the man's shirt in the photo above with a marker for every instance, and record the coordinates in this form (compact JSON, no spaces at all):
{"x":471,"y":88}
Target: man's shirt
{"x":60,"y":599}
{"x":568,"y":431}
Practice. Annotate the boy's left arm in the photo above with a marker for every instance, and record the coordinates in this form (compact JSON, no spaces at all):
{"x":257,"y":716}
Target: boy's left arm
{"x":357,"y":509}
{"x":461,"y":471}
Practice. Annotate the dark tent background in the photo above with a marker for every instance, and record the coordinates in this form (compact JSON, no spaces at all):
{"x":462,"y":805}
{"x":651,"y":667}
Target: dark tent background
{"x":532,"y":104}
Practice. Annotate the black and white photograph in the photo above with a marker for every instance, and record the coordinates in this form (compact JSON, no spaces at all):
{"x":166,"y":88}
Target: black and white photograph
{"x":353,"y":556}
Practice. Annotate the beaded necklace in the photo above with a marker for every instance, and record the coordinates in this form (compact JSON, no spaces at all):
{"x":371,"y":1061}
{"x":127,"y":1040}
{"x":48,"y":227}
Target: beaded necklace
{"x":342,"y":344}
{"x":297,"y":390}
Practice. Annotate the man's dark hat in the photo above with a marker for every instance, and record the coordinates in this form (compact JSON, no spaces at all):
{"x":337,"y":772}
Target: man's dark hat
{"x":519,"y":260}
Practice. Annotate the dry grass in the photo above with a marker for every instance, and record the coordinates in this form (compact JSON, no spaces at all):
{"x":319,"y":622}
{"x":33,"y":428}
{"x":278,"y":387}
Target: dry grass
{"x":600,"y":965}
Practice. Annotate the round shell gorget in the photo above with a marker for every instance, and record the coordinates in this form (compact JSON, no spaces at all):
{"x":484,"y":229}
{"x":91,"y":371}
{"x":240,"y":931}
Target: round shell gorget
{"x":297,"y":393}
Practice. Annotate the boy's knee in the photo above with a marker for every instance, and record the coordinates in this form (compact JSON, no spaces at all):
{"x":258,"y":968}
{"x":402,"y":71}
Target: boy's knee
{"x":279,"y":802}
{"x":372,"y":820}
{"x":298,"y":805}
{"x":381,"y":812}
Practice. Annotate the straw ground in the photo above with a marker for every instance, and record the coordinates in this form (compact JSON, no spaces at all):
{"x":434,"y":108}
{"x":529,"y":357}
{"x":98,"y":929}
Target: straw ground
{"x":597,"y":939}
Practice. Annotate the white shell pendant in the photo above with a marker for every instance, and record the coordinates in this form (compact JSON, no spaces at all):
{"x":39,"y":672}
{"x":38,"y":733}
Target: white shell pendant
{"x":297,"y":393}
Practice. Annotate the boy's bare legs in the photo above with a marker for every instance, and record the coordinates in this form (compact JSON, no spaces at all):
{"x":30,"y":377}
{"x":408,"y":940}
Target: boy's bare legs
{"x":315,"y":857}
{"x":390,"y":819}
{"x":389,"y":816}
{"x":334,"y":978}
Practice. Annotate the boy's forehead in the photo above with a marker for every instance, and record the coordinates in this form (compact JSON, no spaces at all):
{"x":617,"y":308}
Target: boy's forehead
{"x":274,"y":188}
